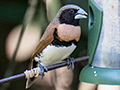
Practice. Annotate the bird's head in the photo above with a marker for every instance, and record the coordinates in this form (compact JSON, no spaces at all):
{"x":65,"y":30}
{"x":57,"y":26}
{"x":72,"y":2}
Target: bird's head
{"x":70,"y":14}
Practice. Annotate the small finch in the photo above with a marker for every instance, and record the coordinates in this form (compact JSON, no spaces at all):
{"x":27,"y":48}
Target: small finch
{"x":59,"y":39}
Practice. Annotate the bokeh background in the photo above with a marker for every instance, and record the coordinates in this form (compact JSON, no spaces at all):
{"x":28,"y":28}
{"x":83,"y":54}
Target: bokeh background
{"x":22,"y":22}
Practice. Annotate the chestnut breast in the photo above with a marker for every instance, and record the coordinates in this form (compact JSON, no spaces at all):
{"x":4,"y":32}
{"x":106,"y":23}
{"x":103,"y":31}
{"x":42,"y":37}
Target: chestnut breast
{"x":69,"y":32}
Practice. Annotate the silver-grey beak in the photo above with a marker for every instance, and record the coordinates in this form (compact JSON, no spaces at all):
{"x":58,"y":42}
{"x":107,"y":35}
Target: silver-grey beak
{"x":81,"y":14}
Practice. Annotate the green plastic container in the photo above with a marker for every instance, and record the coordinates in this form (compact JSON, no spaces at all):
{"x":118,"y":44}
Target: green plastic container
{"x":90,"y":73}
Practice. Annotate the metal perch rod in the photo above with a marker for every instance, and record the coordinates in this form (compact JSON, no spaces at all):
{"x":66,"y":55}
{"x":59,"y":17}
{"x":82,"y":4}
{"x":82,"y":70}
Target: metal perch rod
{"x":51,"y":67}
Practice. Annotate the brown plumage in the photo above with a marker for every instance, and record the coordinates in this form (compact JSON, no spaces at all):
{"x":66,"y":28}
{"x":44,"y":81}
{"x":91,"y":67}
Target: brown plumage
{"x":65,"y":31}
{"x":59,"y":39}
{"x":46,"y":39}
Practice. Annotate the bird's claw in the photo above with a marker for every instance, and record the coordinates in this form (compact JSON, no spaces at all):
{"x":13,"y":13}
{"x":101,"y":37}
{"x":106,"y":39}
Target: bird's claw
{"x":43,"y":69}
{"x":70,"y":62}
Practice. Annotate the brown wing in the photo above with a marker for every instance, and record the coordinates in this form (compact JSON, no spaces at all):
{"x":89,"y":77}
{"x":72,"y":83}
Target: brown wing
{"x":45,"y":40}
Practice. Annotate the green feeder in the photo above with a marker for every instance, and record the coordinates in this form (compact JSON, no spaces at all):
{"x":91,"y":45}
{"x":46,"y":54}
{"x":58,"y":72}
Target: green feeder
{"x":103,"y":43}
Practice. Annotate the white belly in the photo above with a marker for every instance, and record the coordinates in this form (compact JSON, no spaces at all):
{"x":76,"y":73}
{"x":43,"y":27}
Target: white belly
{"x":51,"y":54}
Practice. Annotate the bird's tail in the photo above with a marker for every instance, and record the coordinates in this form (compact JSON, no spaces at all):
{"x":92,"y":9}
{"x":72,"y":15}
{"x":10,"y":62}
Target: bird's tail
{"x":30,"y":81}
{"x":32,"y":76}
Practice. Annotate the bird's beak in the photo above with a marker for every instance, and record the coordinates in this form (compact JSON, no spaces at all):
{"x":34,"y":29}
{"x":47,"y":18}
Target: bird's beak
{"x":81,"y":14}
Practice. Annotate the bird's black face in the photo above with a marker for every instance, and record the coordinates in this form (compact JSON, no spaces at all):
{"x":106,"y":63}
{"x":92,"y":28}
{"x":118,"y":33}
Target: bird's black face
{"x":67,"y":17}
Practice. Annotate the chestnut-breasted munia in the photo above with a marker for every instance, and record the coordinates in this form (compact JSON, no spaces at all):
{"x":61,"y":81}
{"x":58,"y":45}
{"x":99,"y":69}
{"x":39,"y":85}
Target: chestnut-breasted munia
{"x":59,"y":39}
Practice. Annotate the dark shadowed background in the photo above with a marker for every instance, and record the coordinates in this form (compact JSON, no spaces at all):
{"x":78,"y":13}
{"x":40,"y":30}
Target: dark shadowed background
{"x":38,"y":15}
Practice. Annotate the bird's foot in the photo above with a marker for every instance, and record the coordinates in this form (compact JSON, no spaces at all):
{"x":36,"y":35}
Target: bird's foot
{"x":70,"y":62}
{"x":43,"y":69}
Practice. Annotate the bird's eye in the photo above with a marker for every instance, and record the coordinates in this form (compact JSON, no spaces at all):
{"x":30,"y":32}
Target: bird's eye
{"x":71,"y":11}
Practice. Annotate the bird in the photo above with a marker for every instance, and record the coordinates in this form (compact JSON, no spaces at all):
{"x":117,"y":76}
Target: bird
{"x":59,"y":39}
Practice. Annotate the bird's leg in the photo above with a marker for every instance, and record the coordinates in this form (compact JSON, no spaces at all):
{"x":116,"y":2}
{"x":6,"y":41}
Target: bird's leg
{"x":43,"y":69}
{"x":70,"y":62}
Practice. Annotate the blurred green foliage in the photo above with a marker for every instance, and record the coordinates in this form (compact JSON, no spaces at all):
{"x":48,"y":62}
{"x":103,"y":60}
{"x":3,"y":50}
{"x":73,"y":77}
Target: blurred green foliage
{"x":12,"y":13}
